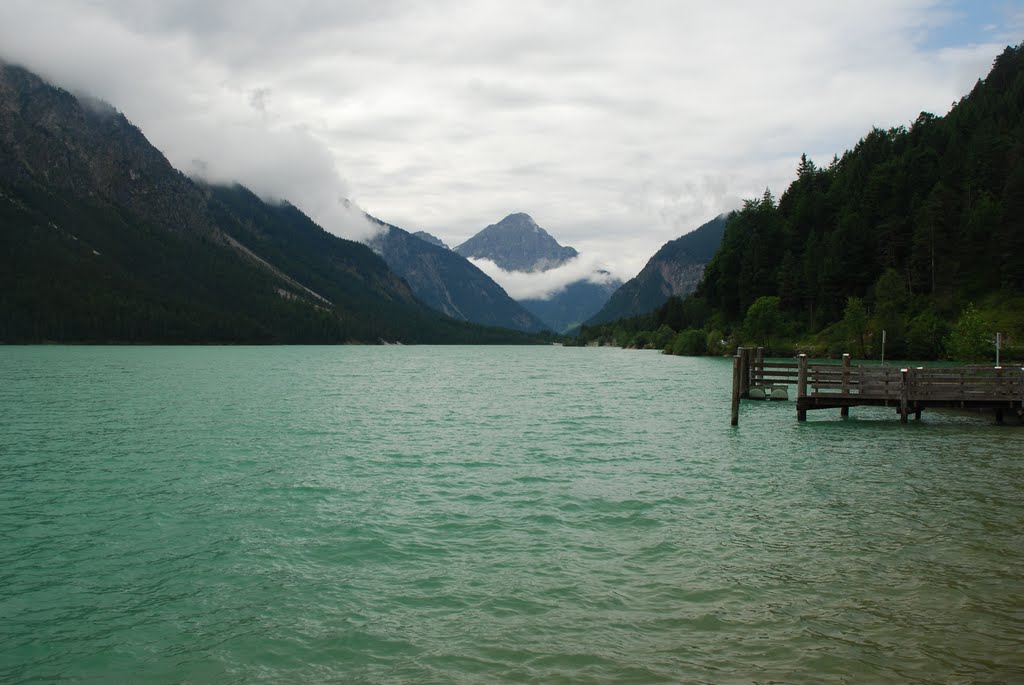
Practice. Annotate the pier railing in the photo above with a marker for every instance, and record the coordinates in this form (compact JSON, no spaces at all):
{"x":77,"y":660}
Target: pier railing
{"x":907,"y":388}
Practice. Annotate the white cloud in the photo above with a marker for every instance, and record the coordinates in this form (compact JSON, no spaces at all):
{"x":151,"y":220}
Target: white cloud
{"x":543,"y":285}
{"x":624,"y":125}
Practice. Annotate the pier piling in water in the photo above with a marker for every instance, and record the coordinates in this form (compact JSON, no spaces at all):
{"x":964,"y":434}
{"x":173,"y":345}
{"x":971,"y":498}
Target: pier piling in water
{"x":736,"y":368}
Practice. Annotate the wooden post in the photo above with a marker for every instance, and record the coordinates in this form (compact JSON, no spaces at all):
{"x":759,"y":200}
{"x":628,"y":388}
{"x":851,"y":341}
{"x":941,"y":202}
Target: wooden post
{"x":904,"y":394}
{"x":1001,"y":389}
{"x":917,"y":402}
{"x":759,"y":367}
{"x":845,"y":411}
{"x":736,"y":390}
{"x":801,"y":389}
{"x":748,"y":357}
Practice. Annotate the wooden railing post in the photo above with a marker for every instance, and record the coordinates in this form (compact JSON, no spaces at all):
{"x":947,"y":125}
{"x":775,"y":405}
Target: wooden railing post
{"x":904,"y":393}
{"x":759,"y":367}
{"x":801,"y":389}
{"x":845,"y":411}
{"x":1000,"y":391}
{"x":736,"y":370}
{"x":748,"y":355}
{"x":918,"y":395}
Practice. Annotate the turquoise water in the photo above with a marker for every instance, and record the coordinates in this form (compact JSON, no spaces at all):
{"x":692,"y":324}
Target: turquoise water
{"x":488,"y":515}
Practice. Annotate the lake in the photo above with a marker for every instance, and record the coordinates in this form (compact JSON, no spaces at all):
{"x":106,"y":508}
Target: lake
{"x":488,"y":515}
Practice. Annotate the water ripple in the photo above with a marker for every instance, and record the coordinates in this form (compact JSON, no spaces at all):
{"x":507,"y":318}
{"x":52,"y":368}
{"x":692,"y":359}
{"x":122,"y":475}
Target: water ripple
{"x":231,"y":515}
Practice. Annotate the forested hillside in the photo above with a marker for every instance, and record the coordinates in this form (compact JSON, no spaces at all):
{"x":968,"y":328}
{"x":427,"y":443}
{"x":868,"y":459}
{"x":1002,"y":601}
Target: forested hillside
{"x":918,"y":231}
{"x":101,"y":240}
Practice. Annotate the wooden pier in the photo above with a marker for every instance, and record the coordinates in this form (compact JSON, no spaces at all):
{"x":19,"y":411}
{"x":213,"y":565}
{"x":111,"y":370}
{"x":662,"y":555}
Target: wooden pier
{"x":908,"y":389}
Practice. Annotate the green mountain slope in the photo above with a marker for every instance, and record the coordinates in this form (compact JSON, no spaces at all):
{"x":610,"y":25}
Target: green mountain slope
{"x":101,"y":240}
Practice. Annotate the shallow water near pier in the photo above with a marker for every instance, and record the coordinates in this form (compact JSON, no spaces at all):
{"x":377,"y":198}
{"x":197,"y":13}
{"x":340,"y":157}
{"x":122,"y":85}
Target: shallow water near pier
{"x":479,"y":514}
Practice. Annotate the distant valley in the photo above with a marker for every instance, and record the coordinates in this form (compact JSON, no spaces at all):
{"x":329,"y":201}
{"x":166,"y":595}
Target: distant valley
{"x":518,"y":244}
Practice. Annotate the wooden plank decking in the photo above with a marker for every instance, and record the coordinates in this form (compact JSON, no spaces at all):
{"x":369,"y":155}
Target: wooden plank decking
{"x":909,"y":389}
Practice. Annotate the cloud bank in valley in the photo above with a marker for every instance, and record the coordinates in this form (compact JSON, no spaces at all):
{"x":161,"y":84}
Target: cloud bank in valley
{"x":624,"y":126}
{"x":543,"y":285}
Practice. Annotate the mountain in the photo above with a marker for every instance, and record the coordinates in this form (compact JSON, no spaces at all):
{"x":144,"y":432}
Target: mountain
{"x":517,"y":243}
{"x":432,"y":239}
{"x":102,"y":240}
{"x":911,"y":244}
{"x":675,"y":269}
{"x":450,"y":283}
{"x":572,"y":306}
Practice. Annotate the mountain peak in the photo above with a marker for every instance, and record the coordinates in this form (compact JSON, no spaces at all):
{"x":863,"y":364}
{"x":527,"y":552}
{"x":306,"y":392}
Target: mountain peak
{"x":517,"y":243}
{"x":430,"y":238}
{"x":521,"y":218}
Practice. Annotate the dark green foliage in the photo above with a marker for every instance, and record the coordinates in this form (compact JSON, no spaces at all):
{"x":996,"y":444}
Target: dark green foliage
{"x":763,"y":319}
{"x":926,"y":335}
{"x":855,"y":323}
{"x":970,"y":339}
{"x":897,"y":235}
{"x":691,"y":343}
{"x":909,"y":221}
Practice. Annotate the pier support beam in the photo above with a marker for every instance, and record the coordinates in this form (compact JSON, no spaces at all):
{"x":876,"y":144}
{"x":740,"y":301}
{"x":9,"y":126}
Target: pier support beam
{"x":845,"y":411}
{"x":904,"y":394}
{"x":746,"y":356}
{"x":736,"y":370}
{"x":759,"y":366}
{"x":801,"y":388}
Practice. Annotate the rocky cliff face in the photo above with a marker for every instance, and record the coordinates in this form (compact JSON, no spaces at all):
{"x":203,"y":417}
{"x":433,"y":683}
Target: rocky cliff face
{"x":517,"y":243}
{"x":675,"y":269}
{"x":87,"y":150}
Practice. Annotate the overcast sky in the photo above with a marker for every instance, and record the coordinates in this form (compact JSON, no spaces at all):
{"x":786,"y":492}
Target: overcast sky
{"x":617,"y":126}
